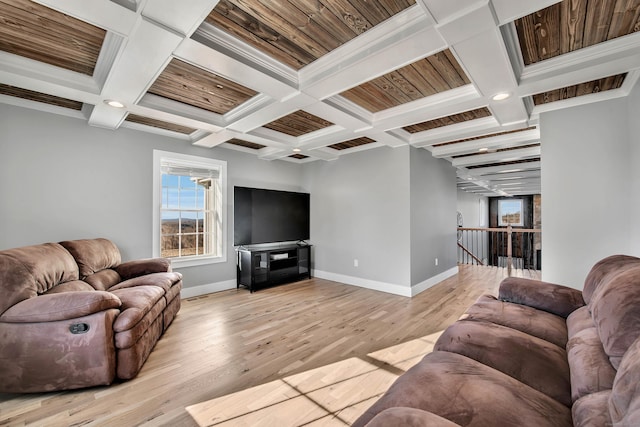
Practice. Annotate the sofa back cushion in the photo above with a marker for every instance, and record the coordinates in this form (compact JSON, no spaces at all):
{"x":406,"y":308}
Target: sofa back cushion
{"x":616,"y":312}
{"x":624,"y":401}
{"x":93,"y":255}
{"x":601,"y":271}
{"x":32,"y":270}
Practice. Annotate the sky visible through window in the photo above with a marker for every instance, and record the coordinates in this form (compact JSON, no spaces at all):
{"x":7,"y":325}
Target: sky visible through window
{"x":180,"y":193}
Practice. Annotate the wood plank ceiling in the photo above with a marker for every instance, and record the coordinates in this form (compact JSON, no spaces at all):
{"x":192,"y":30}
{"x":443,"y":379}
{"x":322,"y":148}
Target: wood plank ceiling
{"x":326,"y":77}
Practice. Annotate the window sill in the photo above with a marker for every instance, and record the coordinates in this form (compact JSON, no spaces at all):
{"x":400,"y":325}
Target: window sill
{"x":196,"y":261}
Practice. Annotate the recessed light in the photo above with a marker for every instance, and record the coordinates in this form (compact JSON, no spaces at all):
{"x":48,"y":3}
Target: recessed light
{"x":113,"y":103}
{"x":500,"y":96}
{"x":220,"y":86}
{"x":296,"y":150}
{"x":483,"y":150}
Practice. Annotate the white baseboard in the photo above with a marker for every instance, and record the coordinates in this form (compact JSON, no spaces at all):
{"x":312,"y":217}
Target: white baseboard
{"x":196,"y":291}
{"x":423,"y":286}
{"x":375,"y":285}
{"x":390,"y":288}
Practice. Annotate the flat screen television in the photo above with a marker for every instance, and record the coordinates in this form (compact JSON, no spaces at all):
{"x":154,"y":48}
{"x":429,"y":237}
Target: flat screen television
{"x":269,"y":216}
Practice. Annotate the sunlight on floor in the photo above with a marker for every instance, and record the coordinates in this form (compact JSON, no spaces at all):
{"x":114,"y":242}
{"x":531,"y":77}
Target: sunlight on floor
{"x":332,"y":395}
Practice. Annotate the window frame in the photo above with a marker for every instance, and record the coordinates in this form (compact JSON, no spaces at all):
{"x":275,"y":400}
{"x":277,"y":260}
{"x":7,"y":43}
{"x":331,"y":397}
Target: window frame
{"x":188,"y":161}
{"x":521,"y":223}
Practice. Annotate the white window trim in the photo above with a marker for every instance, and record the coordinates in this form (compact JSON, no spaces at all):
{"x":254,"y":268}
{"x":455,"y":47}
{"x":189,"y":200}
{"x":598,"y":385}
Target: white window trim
{"x":158,"y":157}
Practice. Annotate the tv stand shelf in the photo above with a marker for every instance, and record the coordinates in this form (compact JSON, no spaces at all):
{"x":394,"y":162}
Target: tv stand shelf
{"x":263,"y":267}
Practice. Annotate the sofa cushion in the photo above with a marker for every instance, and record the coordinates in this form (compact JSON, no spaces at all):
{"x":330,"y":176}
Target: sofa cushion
{"x":130,"y":337}
{"x":531,"y":360}
{"x":409,"y":417}
{"x":624,"y":402}
{"x":578,"y":321}
{"x":592,"y":410}
{"x":72,"y":286}
{"x":32,"y":270}
{"x":469,"y":393}
{"x":602,"y":269}
{"x":591,"y":370}
{"x":161,"y":280}
{"x":616,"y":312}
{"x":136,"y":303}
{"x":93,"y":255}
{"x":556,"y":299}
{"x":538,"y":323}
{"x":103,"y":280}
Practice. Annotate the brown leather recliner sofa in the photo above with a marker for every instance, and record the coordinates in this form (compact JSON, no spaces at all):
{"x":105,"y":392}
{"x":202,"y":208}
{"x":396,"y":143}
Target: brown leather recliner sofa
{"x":539,"y":355}
{"x":73,"y":315}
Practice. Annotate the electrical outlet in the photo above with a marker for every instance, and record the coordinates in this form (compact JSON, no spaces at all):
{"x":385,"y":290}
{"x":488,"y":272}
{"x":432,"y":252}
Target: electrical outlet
{"x":355,"y":262}
{"x":436,"y":261}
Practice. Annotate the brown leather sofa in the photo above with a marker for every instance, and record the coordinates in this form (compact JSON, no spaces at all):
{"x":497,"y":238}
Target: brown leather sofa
{"x":539,"y":355}
{"x":73,"y":315}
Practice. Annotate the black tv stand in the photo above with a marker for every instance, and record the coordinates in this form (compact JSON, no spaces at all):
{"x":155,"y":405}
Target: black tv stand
{"x":268,"y":266}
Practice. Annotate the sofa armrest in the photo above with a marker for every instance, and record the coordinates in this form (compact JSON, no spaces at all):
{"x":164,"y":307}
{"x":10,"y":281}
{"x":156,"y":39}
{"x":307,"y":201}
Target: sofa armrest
{"x":140,"y":267}
{"x":550,"y":297}
{"x":62,"y":306}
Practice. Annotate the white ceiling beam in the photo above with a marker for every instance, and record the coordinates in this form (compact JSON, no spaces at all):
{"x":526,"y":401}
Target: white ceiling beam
{"x":590,"y":63}
{"x":498,"y":141}
{"x":174,"y":15}
{"x":104,"y":14}
{"x":400,"y":40}
{"x":145,"y":53}
{"x":479,"y":172}
{"x":436,"y":106}
{"x":203,"y":56}
{"x":504,"y":156}
{"x":510,"y":10}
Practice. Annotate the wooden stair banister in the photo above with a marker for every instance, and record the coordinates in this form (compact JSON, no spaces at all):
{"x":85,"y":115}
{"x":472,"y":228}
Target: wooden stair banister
{"x":461,"y":246}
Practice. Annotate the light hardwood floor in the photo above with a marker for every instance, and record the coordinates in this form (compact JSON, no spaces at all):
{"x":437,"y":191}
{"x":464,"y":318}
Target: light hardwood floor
{"x":235,"y":358}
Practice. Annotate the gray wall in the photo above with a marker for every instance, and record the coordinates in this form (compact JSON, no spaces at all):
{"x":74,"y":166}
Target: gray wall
{"x":391,"y":209}
{"x":469,"y":205}
{"x":433,"y":215}
{"x":586,"y":186}
{"x":62,"y":179}
{"x":634,"y":141}
{"x":360,"y":210}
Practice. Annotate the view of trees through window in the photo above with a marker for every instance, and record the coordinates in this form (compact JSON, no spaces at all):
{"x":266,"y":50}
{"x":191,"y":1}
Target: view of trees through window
{"x":186,"y":216}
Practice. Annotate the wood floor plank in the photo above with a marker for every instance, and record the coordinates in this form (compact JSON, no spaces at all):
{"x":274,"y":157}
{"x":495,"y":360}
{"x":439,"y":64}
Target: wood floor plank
{"x":232,"y":341}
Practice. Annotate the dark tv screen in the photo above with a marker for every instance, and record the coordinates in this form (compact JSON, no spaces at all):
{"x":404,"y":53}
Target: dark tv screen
{"x":269,"y":216}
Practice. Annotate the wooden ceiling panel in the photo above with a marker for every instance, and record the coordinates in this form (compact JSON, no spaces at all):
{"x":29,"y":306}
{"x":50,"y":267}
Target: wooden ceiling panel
{"x":437,"y":73}
{"x":246,"y":144}
{"x":194,"y":86}
{"x":297,"y":32}
{"x":594,"y":86}
{"x":574,"y":24}
{"x":39,"y":97}
{"x":42,"y":34}
{"x":449,"y":120}
{"x":298,"y":123}
{"x":351,"y":143}
{"x":134,"y":118}
{"x":298,"y":156}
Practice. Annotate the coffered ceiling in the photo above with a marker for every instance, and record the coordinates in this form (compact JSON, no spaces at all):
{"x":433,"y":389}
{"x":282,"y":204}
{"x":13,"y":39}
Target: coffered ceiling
{"x":314,"y":80}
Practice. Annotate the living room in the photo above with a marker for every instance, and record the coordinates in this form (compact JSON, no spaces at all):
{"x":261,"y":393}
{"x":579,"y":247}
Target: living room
{"x":391,"y":208}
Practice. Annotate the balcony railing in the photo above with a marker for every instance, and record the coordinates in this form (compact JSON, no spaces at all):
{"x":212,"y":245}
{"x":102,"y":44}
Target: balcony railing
{"x":507,"y":247}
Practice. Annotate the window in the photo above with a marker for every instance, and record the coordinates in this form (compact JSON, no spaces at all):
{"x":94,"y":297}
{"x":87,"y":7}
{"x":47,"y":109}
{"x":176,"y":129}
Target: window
{"x":189,"y":224}
{"x":510,"y":212}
